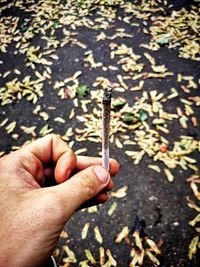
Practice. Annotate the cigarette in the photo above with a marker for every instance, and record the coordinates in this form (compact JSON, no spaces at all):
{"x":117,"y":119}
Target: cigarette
{"x":106,"y":103}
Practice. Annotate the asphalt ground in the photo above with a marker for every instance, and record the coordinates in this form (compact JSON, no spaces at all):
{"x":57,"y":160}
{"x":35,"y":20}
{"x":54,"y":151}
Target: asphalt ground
{"x":153,"y":206}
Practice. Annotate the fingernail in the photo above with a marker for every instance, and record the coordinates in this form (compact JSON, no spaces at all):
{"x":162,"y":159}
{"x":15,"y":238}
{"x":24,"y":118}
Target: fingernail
{"x":102,"y":174}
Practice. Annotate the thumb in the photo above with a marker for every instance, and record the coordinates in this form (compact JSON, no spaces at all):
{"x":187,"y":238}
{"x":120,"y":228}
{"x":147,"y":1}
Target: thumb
{"x":81,"y":187}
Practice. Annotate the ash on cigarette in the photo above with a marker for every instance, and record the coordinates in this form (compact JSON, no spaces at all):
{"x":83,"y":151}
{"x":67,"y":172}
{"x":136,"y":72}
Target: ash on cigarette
{"x":107,"y":96}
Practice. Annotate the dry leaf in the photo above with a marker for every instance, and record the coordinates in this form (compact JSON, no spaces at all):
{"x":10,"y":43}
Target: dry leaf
{"x":85,"y":230}
{"x":124,"y":233}
{"x":98,"y":236}
{"x":120,"y":193}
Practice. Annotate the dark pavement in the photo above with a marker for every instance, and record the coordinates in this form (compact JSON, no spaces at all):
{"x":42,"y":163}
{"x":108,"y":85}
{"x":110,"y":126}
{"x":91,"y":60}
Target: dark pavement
{"x":155,"y":207}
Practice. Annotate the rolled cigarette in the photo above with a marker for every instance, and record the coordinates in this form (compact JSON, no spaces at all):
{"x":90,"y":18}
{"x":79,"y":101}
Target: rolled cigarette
{"x":106,"y":103}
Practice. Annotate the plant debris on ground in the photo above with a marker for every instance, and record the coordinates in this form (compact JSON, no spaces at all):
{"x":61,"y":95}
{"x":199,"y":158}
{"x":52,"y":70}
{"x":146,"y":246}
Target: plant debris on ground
{"x":57,"y":57}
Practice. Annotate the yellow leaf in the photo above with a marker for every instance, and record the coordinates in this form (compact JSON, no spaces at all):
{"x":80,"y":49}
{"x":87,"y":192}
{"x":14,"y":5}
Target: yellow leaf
{"x":98,"y":235}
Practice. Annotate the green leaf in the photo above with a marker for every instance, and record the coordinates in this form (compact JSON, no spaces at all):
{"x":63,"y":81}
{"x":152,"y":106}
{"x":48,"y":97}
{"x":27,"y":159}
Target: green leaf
{"x":54,"y":24}
{"x":45,"y":130}
{"x":118,"y":103}
{"x":90,"y":256}
{"x":128,"y":118}
{"x":163,"y":39}
{"x":143,"y":115}
{"x":82,"y":90}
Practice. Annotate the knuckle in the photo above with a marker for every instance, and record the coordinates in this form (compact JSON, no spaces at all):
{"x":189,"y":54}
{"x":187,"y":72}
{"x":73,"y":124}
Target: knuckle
{"x":53,"y":138}
{"x":50,"y":137}
{"x":71,"y":154}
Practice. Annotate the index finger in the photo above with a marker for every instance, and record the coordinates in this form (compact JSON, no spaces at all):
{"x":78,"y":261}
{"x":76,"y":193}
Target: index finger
{"x":52,"y":148}
{"x":84,"y":162}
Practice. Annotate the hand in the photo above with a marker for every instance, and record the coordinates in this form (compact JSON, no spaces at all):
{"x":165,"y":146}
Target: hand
{"x":33,"y":217}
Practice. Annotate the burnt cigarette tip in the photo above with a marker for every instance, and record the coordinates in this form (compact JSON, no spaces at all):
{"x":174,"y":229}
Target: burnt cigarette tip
{"x":107,"y":96}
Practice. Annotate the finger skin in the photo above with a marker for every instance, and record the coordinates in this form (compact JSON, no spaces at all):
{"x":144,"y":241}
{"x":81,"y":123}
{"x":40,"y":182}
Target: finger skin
{"x":80,"y":188}
{"x":85,"y":162}
{"x":53,"y":148}
{"x":99,"y":198}
{"x":27,"y":210}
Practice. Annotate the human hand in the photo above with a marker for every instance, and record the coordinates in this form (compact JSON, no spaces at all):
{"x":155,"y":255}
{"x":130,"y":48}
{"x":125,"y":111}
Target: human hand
{"x":33,"y":217}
